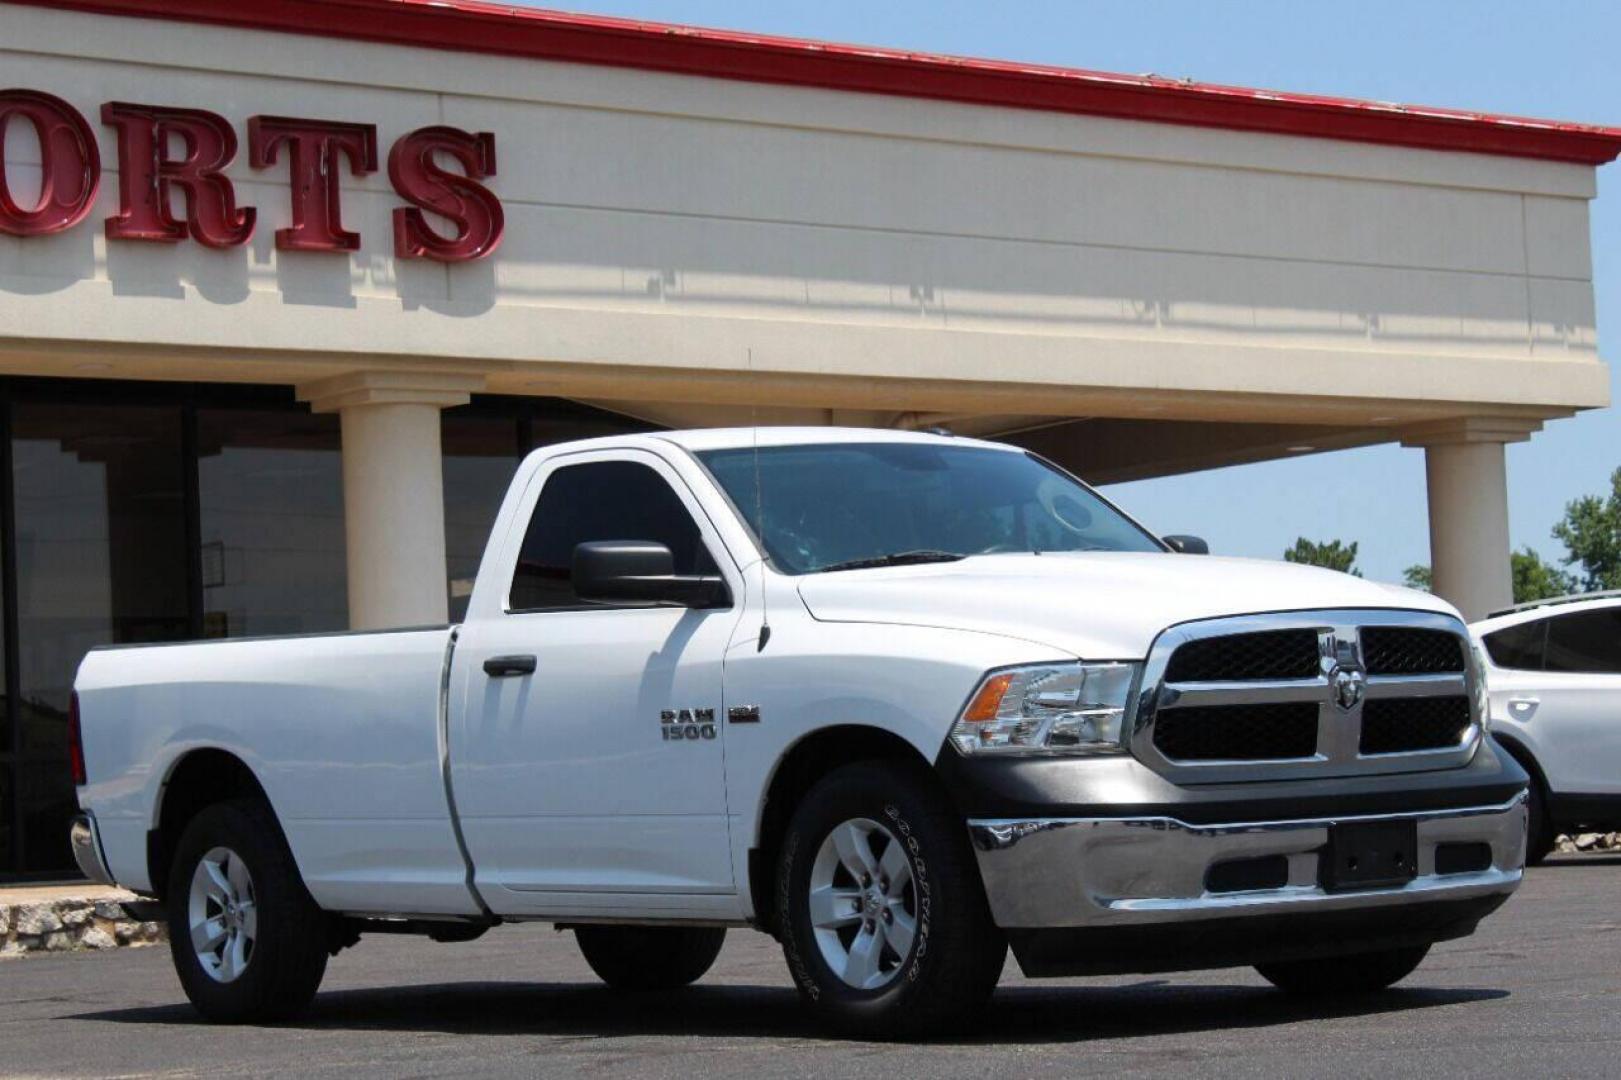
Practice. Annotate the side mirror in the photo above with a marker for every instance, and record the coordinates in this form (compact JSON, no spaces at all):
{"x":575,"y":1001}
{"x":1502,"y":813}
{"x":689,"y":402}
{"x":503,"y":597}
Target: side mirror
{"x":640,"y":572}
{"x":1187,"y":545}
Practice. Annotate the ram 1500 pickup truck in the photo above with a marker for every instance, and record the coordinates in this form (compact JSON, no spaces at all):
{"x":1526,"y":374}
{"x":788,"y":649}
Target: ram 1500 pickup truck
{"x":900,"y":700}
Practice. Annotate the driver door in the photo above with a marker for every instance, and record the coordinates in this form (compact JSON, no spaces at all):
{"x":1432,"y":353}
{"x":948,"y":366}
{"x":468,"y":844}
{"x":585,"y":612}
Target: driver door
{"x":574,"y":797}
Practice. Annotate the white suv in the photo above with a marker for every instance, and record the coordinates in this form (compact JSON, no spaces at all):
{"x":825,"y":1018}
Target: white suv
{"x":1553,"y":669}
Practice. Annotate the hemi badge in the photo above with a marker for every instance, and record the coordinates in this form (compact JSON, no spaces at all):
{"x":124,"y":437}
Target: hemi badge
{"x":743,"y":714}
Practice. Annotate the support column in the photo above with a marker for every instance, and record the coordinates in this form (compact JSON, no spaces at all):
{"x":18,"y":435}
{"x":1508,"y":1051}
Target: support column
{"x":393,"y":495}
{"x":1465,"y":466}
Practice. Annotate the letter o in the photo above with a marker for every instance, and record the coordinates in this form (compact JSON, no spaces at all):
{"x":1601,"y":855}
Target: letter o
{"x":70,"y":165}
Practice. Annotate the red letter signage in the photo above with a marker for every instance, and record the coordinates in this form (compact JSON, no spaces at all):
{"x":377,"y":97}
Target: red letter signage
{"x":70,"y":165}
{"x":470,"y":206}
{"x":165,"y":150}
{"x":147,"y":174}
{"x":314,"y":149}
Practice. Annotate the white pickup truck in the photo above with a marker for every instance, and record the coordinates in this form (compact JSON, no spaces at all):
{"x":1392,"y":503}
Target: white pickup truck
{"x":900,"y":700}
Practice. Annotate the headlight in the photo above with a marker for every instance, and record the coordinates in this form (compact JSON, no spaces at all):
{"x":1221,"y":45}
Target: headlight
{"x":1483,"y":701}
{"x":1047,"y":708}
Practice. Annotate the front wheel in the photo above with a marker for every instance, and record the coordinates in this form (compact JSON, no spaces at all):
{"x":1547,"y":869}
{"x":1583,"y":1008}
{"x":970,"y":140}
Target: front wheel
{"x":1540,"y":834}
{"x":640,"y":958}
{"x":248,"y":942}
{"x":885,"y":925}
{"x":1360,"y":974}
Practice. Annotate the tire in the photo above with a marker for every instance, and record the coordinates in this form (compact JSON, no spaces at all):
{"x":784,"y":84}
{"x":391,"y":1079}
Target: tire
{"x":272,"y":938}
{"x":641,"y":958}
{"x":1540,"y":833}
{"x":915,"y":947}
{"x":1363,"y":973}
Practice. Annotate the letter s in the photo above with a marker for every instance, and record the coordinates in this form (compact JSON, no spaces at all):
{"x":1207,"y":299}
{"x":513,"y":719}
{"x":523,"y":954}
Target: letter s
{"x":468,"y":204}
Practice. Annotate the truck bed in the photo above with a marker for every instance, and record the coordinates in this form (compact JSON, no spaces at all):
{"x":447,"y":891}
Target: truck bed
{"x":344,"y":732}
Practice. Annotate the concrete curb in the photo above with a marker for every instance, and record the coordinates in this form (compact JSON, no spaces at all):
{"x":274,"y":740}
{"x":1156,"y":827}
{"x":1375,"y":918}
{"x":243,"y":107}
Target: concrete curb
{"x":70,"y":919}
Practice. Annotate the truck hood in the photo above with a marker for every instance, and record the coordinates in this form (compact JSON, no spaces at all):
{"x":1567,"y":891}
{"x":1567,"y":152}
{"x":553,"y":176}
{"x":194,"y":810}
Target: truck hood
{"x":1094,"y":605}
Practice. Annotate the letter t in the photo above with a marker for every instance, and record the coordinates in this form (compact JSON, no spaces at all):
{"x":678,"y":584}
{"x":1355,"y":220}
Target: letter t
{"x":313,"y":151}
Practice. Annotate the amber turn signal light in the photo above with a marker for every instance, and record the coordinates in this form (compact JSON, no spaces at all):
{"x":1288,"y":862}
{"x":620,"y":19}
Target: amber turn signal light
{"x":989,"y":699}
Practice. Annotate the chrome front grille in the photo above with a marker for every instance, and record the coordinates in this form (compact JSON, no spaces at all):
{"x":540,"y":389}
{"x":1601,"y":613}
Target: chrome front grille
{"x":1266,"y":654}
{"x":1406,"y":725}
{"x":1407,"y":650}
{"x":1316,"y":693}
{"x":1266,"y":731}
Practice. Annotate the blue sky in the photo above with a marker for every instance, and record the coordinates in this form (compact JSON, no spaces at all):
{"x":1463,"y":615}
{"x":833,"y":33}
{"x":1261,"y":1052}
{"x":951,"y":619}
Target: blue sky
{"x":1549,"y":59}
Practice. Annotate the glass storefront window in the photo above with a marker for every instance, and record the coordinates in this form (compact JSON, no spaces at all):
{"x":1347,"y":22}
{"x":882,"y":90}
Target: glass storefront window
{"x":100,"y":551}
{"x":10,"y":811}
{"x":270,"y":506}
{"x":160,"y":512}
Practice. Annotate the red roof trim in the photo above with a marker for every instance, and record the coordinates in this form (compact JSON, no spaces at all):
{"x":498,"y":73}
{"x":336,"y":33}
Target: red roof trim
{"x":469,"y":26}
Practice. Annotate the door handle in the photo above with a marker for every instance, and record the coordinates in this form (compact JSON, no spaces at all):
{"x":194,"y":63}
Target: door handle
{"x":501,"y":666}
{"x":1522,"y":708}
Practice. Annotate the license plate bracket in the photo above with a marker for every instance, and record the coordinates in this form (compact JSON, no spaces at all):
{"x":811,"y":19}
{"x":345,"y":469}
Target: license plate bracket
{"x":1369,"y":855}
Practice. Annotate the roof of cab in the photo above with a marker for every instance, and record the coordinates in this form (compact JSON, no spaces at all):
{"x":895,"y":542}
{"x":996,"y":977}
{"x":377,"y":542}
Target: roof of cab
{"x":743,"y":438}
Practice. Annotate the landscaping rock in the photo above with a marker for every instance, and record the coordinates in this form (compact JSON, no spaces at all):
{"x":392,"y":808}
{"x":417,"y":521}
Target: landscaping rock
{"x":95,"y":920}
{"x":36,"y":920}
{"x":97,"y":938}
{"x":1589,"y":843}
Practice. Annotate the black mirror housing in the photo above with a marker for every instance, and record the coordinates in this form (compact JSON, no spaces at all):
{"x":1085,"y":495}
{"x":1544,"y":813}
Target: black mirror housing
{"x":640,"y":572}
{"x":1187,"y":545}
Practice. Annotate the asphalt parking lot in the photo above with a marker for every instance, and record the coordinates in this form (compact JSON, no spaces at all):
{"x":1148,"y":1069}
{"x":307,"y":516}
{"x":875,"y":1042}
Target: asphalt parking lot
{"x":1537,"y":993}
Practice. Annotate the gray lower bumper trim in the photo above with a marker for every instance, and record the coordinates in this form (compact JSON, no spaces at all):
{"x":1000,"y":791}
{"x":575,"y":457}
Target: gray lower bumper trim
{"x":1078,"y":872}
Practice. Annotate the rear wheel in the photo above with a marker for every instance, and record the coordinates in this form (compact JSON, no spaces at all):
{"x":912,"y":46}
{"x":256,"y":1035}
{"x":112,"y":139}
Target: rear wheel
{"x":1359,"y":974}
{"x":885,"y":925}
{"x":637,"y":958}
{"x":248,"y":942}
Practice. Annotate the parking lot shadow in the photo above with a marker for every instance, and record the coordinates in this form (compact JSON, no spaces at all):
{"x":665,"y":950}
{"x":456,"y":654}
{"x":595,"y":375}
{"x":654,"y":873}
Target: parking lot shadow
{"x":1018,"y":1014}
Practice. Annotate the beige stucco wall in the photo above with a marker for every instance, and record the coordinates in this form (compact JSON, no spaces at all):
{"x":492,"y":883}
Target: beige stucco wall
{"x":678,"y":240}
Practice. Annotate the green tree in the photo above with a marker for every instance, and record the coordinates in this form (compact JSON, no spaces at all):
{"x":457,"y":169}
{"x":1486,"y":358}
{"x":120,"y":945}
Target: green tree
{"x":1591,"y":530}
{"x":1535,"y":579}
{"x":1331,"y":554}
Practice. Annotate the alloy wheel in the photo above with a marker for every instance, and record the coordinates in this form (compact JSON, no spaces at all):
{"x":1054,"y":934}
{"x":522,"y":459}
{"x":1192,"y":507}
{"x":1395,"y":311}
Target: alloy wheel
{"x":863,"y":903}
{"x":223,"y":916}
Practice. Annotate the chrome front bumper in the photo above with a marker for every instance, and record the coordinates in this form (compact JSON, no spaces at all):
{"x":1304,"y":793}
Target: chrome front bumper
{"x":1098,"y":872}
{"x":86,"y":844}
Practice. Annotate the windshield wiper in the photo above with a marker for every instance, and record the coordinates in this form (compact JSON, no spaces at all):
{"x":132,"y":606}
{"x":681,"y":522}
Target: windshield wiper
{"x":894,"y":558}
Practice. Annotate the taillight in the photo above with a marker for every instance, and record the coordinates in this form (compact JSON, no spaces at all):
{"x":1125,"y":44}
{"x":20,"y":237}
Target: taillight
{"x":75,"y":742}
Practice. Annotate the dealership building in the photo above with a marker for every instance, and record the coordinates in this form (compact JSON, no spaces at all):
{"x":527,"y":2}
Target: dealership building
{"x":287,"y":288}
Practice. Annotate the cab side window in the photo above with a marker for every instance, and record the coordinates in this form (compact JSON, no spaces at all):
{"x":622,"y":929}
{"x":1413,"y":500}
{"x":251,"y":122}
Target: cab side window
{"x":1520,"y":647}
{"x":1585,"y":641}
{"x":599,"y":500}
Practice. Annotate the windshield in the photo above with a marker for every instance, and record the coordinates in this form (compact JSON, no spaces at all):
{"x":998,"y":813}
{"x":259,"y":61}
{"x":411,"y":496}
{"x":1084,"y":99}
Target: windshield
{"x":844,"y":505}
